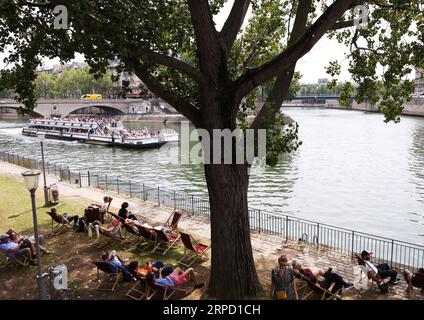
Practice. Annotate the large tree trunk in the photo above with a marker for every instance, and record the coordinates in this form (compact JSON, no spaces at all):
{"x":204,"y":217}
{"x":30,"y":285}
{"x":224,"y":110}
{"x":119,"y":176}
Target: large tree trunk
{"x":233,"y":274}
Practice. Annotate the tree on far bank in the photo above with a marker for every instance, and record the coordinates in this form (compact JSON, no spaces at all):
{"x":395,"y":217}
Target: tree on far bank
{"x":212,"y":76}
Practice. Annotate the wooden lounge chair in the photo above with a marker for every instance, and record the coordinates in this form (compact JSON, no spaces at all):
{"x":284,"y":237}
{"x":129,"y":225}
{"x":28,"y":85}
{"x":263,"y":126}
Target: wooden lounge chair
{"x":312,"y":288}
{"x":362,"y":265}
{"x":417,"y":281}
{"x":172,"y":223}
{"x":92,"y":214}
{"x":149,"y":235}
{"x":138,"y":289}
{"x":59,"y":223}
{"x":165,"y":241}
{"x":14,"y":260}
{"x":166,"y":293}
{"x":193,"y":250}
{"x":131,"y":233}
{"x":109,"y":279}
{"x":104,"y":237}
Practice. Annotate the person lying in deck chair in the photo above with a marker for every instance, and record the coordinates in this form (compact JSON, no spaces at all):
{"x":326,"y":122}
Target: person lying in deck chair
{"x":112,"y":230}
{"x":329,"y":277}
{"x":149,"y":267}
{"x":15,"y":250}
{"x":177,"y":278}
{"x":115,"y":263}
{"x":380,"y":272}
{"x":21,"y":240}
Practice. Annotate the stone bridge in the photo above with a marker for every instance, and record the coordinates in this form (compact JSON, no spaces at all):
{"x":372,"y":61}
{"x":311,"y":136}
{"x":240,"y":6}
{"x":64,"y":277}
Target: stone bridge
{"x":64,"y":107}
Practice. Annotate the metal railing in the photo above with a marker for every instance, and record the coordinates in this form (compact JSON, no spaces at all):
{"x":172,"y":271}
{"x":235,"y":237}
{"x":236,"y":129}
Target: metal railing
{"x":323,"y":236}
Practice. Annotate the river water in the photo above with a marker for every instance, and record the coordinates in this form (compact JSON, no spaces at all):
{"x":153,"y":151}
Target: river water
{"x":352,"y":170}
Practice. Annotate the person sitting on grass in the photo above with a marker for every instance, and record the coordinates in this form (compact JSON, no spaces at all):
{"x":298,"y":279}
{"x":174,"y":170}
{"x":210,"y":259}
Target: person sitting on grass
{"x":329,"y":277}
{"x":380,"y":272}
{"x":15,"y":250}
{"x":149,"y":267}
{"x":21,"y":240}
{"x":176,"y":279}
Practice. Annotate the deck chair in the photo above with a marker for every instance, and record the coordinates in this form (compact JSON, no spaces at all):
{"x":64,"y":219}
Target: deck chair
{"x":138,"y":289}
{"x":172,"y":223}
{"x":92,"y":214}
{"x":131,"y":233}
{"x":13,"y":260}
{"x":193,"y":250}
{"x":313,"y":287}
{"x":104,"y":238}
{"x":149,"y":236}
{"x":165,"y":241}
{"x":417,"y":281}
{"x":166,"y":293}
{"x":109,"y":201}
{"x":109,"y":279}
{"x":59,"y":223}
{"x":362,"y":265}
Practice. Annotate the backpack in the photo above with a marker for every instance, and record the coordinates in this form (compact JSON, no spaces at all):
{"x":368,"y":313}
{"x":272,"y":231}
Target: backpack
{"x":384,"y":288}
{"x":80,"y":226}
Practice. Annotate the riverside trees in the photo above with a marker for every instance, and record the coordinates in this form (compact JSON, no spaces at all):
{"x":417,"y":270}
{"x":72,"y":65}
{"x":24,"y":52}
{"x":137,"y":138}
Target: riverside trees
{"x":212,"y":76}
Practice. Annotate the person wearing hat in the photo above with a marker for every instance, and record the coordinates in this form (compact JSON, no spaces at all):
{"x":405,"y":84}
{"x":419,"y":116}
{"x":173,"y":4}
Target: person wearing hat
{"x":13,"y":249}
{"x":379,"y":272}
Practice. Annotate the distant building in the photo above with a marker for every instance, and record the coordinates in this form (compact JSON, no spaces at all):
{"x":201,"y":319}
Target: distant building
{"x":419,"y":81}
{"x":58,"y":68}
{"x":323,"y":81}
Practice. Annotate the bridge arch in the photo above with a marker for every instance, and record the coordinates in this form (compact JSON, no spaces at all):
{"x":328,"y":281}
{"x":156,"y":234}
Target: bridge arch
{"x":94,"y":109}
{"x":13,"y":110}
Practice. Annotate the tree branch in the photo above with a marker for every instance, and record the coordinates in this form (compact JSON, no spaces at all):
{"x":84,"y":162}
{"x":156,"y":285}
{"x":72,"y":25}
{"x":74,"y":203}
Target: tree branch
{"x":207,"y":40}
{"x":184,"y":107}
{"x":255,"y":77}
{"x":233,"y":24}
{"x":282,"y":84}
{"x":167,"y":61}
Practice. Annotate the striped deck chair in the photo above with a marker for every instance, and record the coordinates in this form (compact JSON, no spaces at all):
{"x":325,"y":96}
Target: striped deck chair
{"x":193,"y":250}
{"x":165,"y":241}
{"x":172,"y":223}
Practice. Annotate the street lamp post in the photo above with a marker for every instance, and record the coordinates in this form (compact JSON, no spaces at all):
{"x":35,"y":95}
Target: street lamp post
{"x":41,"y":137}
{"x":31,"y":181}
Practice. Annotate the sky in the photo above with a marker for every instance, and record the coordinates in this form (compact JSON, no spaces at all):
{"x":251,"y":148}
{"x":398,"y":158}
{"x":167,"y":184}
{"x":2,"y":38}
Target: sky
{"x":311,"y":66}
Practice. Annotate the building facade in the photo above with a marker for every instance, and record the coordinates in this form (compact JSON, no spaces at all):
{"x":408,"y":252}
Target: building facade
{"x":419,"y":81}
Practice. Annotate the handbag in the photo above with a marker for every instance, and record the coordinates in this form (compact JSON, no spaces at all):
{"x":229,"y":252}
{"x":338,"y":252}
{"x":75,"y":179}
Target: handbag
{"x":281,"y":295}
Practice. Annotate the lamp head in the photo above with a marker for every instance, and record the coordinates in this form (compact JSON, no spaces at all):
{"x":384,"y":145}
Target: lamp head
{"x":41,"y":137}
{"x":31,"y":179}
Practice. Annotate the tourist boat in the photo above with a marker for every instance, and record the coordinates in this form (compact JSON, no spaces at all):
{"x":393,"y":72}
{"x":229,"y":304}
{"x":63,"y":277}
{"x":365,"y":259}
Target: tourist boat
{"x":111,"y":133}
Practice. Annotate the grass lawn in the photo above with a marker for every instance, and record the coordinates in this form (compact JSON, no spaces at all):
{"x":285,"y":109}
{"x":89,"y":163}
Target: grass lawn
{"x":69,"y":248}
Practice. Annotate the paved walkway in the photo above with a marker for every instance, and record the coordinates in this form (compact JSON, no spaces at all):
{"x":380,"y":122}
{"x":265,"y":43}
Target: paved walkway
{"x":264,"y":246}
